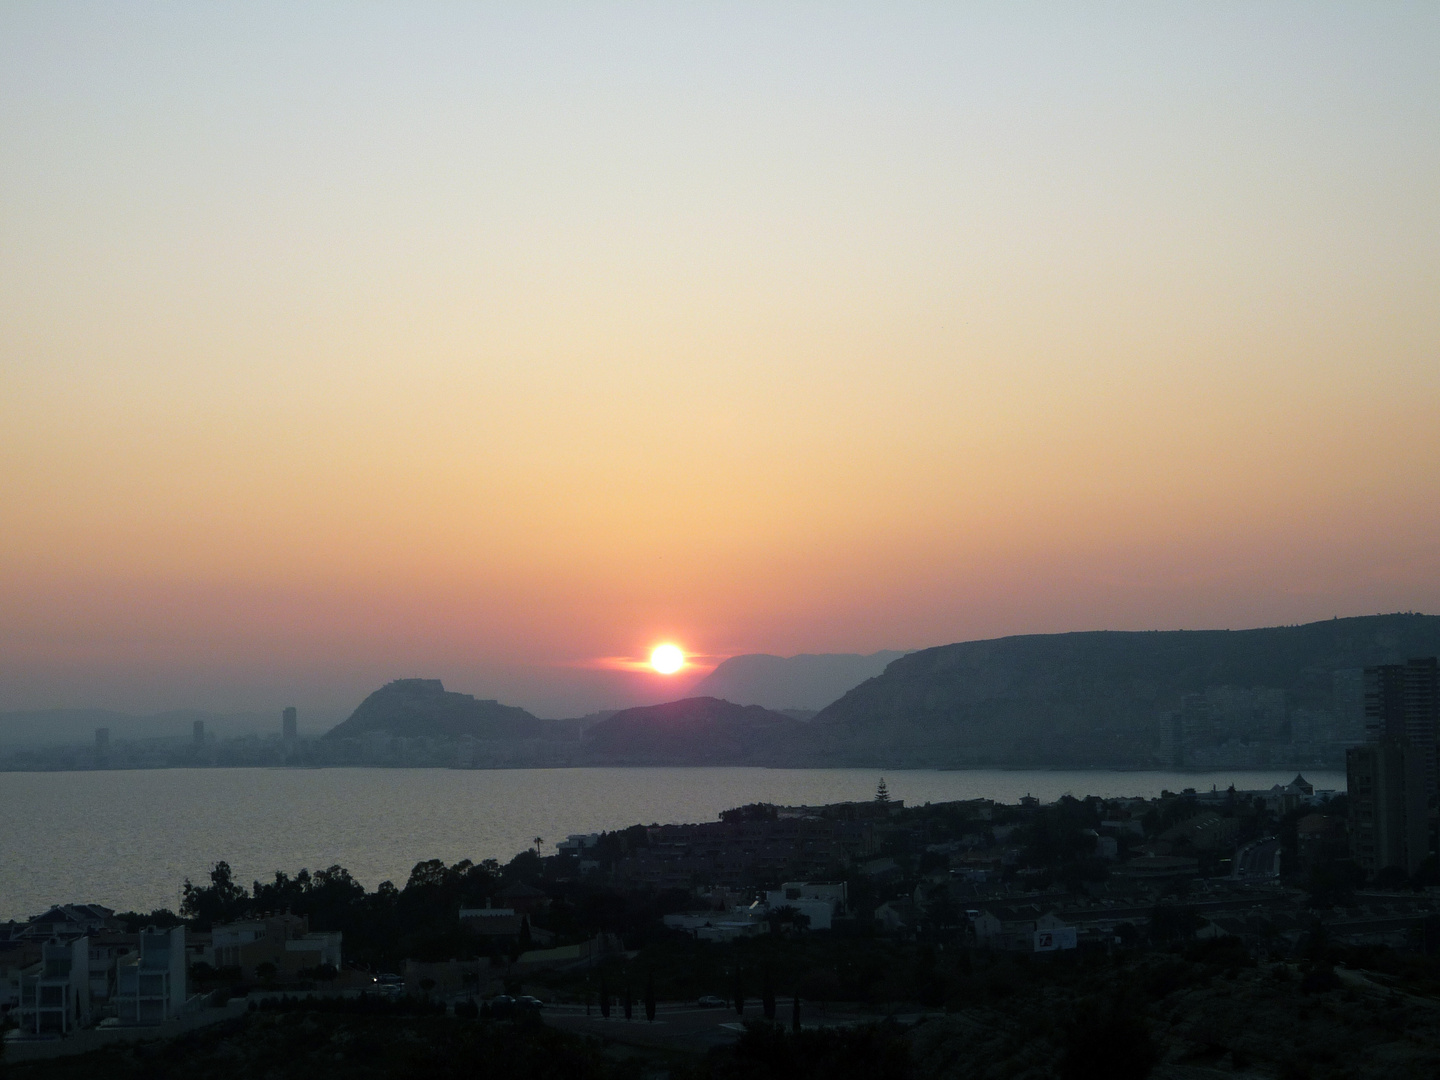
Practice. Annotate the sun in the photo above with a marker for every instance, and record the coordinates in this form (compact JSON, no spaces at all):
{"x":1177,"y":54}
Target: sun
{"x":667,"y":659}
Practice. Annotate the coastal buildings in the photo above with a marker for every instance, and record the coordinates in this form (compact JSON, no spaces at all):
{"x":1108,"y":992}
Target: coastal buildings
{"x":284,"y":942}
{"x":1392,"y":778}
{"x":54,"y":994}
{"x":150,"y":981}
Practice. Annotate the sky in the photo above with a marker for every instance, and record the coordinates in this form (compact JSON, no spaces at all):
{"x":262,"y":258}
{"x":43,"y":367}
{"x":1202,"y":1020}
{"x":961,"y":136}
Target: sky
{"x":500,"y":342}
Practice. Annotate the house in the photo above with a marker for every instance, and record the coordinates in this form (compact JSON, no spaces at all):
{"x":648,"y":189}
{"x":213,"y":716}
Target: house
{"x":576,"y":843}
{"x":522,"y":898}
{"x":106,"y":950}
{"x":818,"y":901}
{"x":1023,"y":928}
{"x":66,"y":921}
{"x":150,"y":982}
{"x":491,"y":921}
{"x":284,"y":941}
{"x":54,"y":994}
{"x":897,"y":916}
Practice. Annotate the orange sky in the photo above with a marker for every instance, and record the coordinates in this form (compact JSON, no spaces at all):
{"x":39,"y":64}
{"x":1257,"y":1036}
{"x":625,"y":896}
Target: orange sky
{"x":337,"y":347}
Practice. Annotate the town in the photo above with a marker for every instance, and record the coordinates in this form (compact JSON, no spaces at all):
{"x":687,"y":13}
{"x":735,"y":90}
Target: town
{"x":846,"y":914}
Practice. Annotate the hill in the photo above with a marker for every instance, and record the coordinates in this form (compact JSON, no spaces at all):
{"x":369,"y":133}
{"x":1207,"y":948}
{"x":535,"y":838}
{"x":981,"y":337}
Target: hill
{"x":804,"y":682}
{"x":423,"y":708}
{"x":1107,"y":698}
{"x":694,"y":731}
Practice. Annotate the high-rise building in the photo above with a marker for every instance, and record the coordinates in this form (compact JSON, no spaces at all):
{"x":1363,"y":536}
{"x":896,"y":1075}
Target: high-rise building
{"x":288,"y":724}
{"x":1389,"y":814}
{"x":198,"y":735}
{"x":1401,"y":703}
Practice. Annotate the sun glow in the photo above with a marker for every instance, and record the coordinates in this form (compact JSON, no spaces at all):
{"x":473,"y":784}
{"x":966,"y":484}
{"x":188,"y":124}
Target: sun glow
{"x":667,"y":659}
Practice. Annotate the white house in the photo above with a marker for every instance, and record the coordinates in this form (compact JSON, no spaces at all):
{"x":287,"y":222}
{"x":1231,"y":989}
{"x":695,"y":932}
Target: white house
{"x":55,"y":993}
{"x":818,"y":901}
{"x":150,"y":982}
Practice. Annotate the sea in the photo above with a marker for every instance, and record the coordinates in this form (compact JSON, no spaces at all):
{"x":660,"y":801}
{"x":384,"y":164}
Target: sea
{"x":130,"y":839}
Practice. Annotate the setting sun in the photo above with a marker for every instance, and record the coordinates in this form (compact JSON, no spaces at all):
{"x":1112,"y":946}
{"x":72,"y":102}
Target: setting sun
{"x":667,"y":659}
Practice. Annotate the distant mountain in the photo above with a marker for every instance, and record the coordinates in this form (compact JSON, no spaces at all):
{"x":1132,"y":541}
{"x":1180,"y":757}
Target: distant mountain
{"x":804,"y":682}
{"x":1110,"y":698}
{"x":423,"y":708}
{"x":68,"y":727}
{"x":695,"y":731}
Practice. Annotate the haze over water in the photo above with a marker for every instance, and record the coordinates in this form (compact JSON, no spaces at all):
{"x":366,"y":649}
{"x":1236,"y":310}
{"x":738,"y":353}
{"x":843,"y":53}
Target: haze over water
{"x":128,"y":839}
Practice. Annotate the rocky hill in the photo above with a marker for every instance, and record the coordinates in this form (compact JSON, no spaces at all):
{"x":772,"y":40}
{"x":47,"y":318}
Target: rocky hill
{"x":1112,"y":698}
{"x":694,"y":731}
{"x":423,"y":708}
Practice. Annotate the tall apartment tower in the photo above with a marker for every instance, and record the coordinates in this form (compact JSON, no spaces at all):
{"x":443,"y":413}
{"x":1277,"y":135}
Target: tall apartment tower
{"x":288,"y":726}
{"x":1392,"y":779}
{"x":1389,"y":815}
{"x":1402,"y":704}
{"x":198,"y":734}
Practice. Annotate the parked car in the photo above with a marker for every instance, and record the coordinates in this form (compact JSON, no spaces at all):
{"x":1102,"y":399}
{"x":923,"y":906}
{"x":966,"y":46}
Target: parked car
{"x":388,"y":985}
{"x":528,"y":1002}
{"x":710,"y":1001}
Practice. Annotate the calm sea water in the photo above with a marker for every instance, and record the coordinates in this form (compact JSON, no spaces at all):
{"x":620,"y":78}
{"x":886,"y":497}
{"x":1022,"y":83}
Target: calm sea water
{"x":129,"y":839}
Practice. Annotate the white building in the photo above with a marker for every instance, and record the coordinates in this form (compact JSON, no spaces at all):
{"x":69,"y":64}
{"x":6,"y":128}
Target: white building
{"x":55,"y":993}
{"x":818,"y":901}
{"x":150,"y":982}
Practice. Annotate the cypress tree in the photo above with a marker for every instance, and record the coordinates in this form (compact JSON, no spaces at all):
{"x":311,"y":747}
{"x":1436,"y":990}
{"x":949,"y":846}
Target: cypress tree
{"x":650,"y":996}
{"x":629,"y":1009}
{"x":795,"y":1014}
{"x":767,"y":997}
{"x":604,"y":998}
{"x":739,"y":994}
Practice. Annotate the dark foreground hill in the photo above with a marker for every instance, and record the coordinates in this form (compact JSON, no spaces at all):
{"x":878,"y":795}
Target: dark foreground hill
{"x":423,"y":708}
{"x":1185,"y":697}
{"x":695,"y":731}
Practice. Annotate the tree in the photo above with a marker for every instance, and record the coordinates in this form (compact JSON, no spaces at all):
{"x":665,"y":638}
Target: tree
{"x":795,"y":1014}
{"x":539,"y":843}
{"x":604,"y":997}
{"x":650,"y":996}
{"x":629,"y":1010}
{"x":882,"y":793}
{"x":767,"y":996}
{"x":739,"y":994}
{"x":221,"y":901}
{"x":266,"y":970}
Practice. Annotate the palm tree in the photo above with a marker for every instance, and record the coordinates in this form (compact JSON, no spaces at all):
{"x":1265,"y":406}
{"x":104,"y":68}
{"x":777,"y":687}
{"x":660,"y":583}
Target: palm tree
{"x":539,"y":843}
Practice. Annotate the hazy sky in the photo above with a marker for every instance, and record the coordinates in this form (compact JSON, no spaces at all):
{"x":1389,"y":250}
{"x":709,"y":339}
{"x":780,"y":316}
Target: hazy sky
{"x":347,"y":342}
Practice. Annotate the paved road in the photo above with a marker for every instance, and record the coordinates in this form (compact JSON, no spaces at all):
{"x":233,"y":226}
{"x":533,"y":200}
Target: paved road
{"x":1258,"y":861}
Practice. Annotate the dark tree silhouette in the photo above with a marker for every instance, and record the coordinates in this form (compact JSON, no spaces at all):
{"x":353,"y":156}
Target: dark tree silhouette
{"x":650,"y":996}
{"x":767,"y":996}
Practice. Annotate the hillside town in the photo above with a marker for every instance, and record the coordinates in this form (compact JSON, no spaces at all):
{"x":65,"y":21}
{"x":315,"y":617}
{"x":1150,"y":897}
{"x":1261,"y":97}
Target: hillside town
{"x":860,"y":910}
